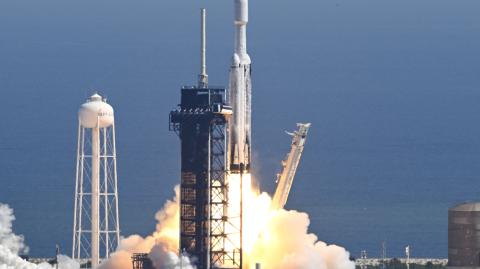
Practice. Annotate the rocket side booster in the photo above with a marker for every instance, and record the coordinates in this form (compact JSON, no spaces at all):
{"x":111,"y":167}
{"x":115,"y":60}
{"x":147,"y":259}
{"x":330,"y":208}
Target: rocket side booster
{"x":240,"y":94}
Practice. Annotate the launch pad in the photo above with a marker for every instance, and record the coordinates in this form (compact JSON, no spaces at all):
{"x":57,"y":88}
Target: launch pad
{"x":215,"y":132}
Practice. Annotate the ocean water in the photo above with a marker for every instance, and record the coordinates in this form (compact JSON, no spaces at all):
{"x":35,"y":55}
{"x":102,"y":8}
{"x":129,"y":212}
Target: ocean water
{"x":392,"y":89}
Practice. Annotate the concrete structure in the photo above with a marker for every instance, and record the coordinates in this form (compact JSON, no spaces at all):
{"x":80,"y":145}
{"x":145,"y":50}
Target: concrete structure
{"x":464,"y":236}
{"x":96,"y":228}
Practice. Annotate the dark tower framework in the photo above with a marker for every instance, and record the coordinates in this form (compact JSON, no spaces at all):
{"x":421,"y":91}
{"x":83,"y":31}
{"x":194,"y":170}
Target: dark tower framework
{"x":207,"y":232}
{"x":224,"y":252}
{"x":201,"y":123}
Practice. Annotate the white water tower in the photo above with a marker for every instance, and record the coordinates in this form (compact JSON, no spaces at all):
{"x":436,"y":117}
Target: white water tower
{"x":96,"y":228}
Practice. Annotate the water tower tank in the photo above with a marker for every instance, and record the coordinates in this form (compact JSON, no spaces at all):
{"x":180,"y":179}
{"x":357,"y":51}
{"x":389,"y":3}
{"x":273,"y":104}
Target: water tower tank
{"x":464,"y":236}
{"x":96,"y":111}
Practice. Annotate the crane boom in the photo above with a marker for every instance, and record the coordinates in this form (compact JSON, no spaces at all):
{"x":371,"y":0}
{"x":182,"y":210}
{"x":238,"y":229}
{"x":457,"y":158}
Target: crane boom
{"x":289,"y":166}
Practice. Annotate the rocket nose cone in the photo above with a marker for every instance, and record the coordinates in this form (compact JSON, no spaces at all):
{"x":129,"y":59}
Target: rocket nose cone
{"x":235,"y":59}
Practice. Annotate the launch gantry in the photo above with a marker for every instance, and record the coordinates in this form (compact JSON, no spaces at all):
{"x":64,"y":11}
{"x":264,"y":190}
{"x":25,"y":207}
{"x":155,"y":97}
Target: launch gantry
{"x":201,"y":123}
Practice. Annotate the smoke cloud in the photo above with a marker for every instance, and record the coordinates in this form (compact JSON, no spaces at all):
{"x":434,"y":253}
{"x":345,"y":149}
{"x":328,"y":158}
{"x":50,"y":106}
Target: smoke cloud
{"x":162,"y":246}
{"x":11,"y":245}
{"x":280,"y":240}
{"x":286,"y":244}
{"x":14,"y":243}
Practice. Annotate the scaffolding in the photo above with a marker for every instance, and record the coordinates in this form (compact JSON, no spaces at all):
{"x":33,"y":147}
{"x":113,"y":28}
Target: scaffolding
{"x":201,"y":123}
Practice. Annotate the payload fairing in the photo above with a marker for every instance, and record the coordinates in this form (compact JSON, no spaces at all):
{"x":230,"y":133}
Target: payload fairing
{"x":240,"y":94}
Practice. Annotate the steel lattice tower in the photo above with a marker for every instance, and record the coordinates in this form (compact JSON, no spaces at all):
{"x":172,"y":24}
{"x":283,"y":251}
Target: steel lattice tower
{"x":96,"y":228}
{"x":201,"y":121}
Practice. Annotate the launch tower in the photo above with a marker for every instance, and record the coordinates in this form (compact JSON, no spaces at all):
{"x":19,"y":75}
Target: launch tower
{"x":96,"y":228}
{"x":201,"y":123}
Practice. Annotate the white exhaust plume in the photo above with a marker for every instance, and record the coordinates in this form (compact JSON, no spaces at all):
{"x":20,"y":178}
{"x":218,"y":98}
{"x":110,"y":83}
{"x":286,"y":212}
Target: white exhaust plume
{"x":162,"y":246}
{"x":14,"y":243}
{"x":11,"y":244}
{"x":286,"y":244}
{"x":273,"y":247}
{"x":278,"y":240}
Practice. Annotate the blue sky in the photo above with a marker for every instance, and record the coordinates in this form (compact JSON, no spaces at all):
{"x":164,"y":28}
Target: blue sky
{"x":391,"y":87}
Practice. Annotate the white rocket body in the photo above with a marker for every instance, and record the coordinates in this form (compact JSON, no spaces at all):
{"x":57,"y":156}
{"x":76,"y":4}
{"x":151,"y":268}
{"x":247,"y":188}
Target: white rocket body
{"x":240,"y":94}
{"x":241,"y":20}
